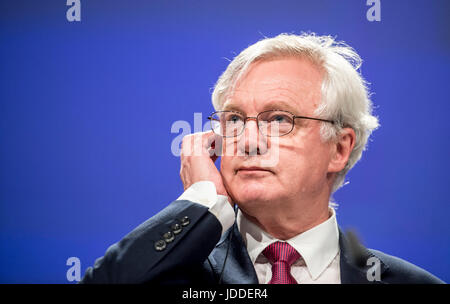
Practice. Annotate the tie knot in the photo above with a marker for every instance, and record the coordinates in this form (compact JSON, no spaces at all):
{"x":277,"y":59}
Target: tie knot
{"x":281,"y":252}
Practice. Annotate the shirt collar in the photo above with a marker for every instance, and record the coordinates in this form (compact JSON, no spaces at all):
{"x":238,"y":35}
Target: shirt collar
{"x":318,"y":246}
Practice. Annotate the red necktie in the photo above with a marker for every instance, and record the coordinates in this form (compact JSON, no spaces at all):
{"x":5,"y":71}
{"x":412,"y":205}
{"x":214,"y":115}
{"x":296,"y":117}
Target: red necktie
{"x":281,"y":255}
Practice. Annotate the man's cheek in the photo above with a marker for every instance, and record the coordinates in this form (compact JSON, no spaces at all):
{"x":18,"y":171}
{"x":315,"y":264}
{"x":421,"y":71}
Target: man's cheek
{"x":225,"y":167}
{"x":228,"y":180}
{"x":229,"y":148}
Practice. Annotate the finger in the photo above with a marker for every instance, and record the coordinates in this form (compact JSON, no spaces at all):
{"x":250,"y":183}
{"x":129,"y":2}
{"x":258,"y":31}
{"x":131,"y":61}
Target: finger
{"x":209,"y":138}
{"x":187,"y":145}
{"x":197,"y":144}
{"x":215,"y":147}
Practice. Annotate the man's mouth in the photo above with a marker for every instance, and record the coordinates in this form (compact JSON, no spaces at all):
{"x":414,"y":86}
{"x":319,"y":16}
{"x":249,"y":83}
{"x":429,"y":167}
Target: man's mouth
{"x":252,"y":169}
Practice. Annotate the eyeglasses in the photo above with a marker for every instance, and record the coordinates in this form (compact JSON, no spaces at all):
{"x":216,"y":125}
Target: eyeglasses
{"x":272,"y":123}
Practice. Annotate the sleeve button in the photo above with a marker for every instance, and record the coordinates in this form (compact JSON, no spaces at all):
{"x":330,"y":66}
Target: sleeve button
{"x":185,"y":221}
{"x":176,"y":228}
{"x":160,"y":245}
{"x":168,"y":236}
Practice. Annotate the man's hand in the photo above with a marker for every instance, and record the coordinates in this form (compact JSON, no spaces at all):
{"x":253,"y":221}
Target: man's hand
{"x":197,"y":160}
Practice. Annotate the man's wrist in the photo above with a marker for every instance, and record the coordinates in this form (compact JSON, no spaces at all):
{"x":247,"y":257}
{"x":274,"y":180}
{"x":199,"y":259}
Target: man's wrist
{"x":204,"y":193}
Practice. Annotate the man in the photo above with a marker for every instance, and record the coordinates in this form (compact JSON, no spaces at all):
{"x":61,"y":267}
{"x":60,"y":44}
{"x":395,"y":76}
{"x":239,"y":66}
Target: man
{"x":293,"y":116}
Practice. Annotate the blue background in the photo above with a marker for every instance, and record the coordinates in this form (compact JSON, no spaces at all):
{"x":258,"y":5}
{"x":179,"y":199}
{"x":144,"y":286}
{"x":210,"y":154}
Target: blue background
{"x":86,"y":110}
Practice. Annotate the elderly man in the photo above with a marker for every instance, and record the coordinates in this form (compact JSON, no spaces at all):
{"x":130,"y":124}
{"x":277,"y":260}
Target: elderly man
{"x":293,"y":116}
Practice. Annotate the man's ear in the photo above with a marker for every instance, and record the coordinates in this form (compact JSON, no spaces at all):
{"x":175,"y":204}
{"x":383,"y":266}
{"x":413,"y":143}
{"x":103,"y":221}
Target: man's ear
{"x":343,"y":146}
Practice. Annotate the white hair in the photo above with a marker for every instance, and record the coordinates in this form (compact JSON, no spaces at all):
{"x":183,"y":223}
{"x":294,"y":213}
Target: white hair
{"x":345,"y":94}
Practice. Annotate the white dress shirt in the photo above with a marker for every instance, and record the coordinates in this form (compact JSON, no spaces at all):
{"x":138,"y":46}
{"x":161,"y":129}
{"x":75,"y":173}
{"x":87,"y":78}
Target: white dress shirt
{"x":318,"y":246}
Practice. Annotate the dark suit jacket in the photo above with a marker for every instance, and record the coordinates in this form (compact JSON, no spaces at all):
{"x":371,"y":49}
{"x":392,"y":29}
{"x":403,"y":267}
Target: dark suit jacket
{"x":198,"y":253}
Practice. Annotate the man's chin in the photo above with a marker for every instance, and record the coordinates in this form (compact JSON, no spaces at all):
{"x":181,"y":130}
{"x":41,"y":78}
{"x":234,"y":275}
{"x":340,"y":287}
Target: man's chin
{"x":252,"y":193}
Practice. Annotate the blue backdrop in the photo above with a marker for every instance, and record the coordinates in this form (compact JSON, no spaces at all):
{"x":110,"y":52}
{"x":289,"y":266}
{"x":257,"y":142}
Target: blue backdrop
{"x":86,"y":111}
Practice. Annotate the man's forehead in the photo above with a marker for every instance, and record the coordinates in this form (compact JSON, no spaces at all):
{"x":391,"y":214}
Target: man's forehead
{"x":273,"y":83}
{"x":292,"y":81}
{"x":293,"y":96}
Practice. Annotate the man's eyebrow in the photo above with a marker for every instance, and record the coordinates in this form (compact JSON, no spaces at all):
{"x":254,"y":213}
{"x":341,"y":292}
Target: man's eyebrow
{"x":281,"y":105}
{"x":271,"y":105}
{"x":232,"y":107}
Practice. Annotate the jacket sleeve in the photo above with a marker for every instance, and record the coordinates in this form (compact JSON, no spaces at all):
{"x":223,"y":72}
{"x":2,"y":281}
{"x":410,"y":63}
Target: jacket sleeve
{"x":145,"y":253}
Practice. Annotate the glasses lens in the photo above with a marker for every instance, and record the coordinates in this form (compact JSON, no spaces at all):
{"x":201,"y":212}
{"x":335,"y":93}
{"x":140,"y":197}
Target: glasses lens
{"x":227,"y":123}
{"x":275,"y":123}
{"x":215,"y":124}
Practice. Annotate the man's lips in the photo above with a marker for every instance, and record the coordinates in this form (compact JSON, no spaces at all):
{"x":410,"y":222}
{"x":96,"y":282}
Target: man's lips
{"x":253,"y":169}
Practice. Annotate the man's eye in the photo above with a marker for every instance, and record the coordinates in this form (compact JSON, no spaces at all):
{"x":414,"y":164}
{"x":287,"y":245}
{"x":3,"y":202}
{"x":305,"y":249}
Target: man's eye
{"x":234,"y":118}
{"x":279,"y":119}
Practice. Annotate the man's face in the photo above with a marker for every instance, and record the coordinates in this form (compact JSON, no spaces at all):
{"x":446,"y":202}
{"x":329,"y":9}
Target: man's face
{"x":301,"y":159}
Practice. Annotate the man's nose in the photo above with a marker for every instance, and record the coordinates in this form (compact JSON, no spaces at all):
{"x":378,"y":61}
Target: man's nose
{"x":252,"y":142}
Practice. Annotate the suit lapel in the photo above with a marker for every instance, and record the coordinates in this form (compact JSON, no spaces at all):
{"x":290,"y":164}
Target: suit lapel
{"x":238,"y":268}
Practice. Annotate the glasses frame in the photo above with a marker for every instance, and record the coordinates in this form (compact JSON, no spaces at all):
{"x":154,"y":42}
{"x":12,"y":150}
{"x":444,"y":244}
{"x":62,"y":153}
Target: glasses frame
{"x":211,"y":119}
